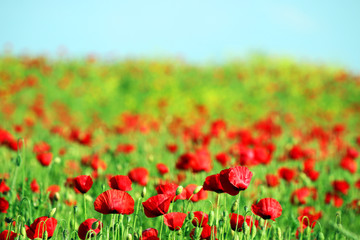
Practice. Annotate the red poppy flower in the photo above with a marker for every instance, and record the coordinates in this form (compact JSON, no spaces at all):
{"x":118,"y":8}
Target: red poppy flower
{"x":357,"y":184}
{"x":312,"y":174}
{"x":349,"y":164}
{"x":352,"y":153}
{"x":308,"y":210}
{"x":114,"y":201}
{"x":341,"y":186}
{"x":267,"y":208}
{"x":300,"y":196}
{"x":235,"y":179}
{"x":34,"y":186}
{"x":174,"y":220}
{"x":53,"y":189}
{"x":200,"y":219}
{"x":206,"y":234}
{"x":41,"y":147}
{"x":334,"y":198}
{"x":120,"y":182}
{"x":45,"y":158}
{"x":125,"y":148}
{"x":296,"y":152}
{"x":287,"y":174}
{"x":170,"y":190}
{"x":239,"y":219}
{"x":272,"y":180}
{"x":3,"y":187}
{"x":4,"y":205}
{"x":223,"y":158}
{"x":83,"y":183}
{"x":39,"y":226}
{"x":139,"y":175}
{"x":213,"y":183}
{"x":86,"y":227}
{"x":156,"y":205}
{"x":4,"y":235}
{"x":201,"y":195}
{"x":149,"y":234}
{"x":162,"y":168}
{"x":172,"y":148}
{"x":197,"y":162}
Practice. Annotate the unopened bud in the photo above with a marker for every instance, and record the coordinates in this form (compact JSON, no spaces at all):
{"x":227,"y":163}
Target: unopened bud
{"x":143,"y":193}
{"x":246,"y":209}
{"x":338,"y":217}
{"x":179,"y":190}
{"x":95,"y":225}
{"x":129,"y":237}
{"x":18,"y":160}
{"x":45,"y":235}
{"x":198,"y":189}
{"x":75,"y":209}
{"x":235,"y":206}
{"x":191,"y":216}
{"x":57,"y":196}
{"x":221,"y":223}
{"x":246,"y":228}
{"x":8,"y":220}
{"x":52,"y":212}
{"x":198,"y":232}
{"x":253,"y":232}
{"x":211,"y":218}
{"x":23,"y":231}
{"x":321,"y":236}
{"x":65,"y":233}
{"x":278,"y":231}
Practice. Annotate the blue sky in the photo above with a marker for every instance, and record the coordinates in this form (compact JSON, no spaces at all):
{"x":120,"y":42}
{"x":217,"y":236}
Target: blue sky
{"x":198,"y":31}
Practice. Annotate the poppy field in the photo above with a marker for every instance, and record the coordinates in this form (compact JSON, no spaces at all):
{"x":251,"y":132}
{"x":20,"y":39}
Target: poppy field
{"x":260,"y":148}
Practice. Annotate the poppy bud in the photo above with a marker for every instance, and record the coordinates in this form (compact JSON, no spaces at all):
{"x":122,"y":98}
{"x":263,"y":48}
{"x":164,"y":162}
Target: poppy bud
{"x":179,"y":190}
{"x":308,"y":231}
{"x":18,"y":160}
{"x":75,"y":209}
{"x":253,"y":232}
{"x":95,"y":225}
{"x":246,"y":228}
{"x":225,"y":214}
{"x":136,"y":235}
{"x":211,"y":218}
{"x":52,"y":212}
{"x":235,"y":206}
{"x":143,"y":193}
{"x":221,"y":223}
{"x":57,"y":160}
{"x":46,"y":235}
{"x":191,"y":216}
{"x":246,"y":209}
{"x":23,"y":231}
{"x":198,"y":189}
{"x":129,"y":237}
{"x":65,"y":233}
{"x":278,"y":231}
{"x":57,"y":196}
{"x":8,"y":220}
{"x":338,"y":217}
{"x":321,"y":236}
{"x":197,"y":232}
{"x":262,"y":222}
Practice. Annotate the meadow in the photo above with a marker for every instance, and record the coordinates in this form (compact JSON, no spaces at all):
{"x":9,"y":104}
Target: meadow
{"x":259,"y":148}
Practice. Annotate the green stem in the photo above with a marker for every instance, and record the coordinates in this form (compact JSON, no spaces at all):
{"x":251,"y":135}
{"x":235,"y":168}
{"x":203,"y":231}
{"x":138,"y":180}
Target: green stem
{"x":84,"y":205}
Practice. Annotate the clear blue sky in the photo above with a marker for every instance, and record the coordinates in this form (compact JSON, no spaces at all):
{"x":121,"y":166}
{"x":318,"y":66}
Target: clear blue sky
{"x":199,"y":31}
